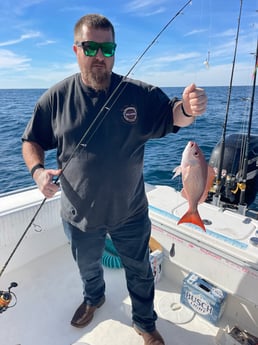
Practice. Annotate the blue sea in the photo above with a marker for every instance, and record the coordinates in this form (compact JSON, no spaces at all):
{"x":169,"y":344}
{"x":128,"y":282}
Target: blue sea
{"x":161,"y":156}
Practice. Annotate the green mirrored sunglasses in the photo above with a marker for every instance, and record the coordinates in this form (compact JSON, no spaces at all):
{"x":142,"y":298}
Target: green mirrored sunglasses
{"x":90,"y":48}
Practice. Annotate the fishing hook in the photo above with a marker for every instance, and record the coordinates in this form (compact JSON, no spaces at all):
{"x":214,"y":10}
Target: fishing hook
{"x":101,"y":115}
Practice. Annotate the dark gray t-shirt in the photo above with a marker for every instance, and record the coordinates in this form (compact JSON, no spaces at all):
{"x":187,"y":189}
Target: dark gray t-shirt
{"x":102,"y":185}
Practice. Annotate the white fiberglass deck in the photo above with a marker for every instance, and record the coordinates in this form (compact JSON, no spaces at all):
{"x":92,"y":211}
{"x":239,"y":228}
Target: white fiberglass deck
{"x":50,"y":290}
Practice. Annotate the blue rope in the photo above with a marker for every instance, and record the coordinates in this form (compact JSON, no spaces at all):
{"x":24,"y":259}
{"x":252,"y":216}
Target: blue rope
{"x":110,"y":257}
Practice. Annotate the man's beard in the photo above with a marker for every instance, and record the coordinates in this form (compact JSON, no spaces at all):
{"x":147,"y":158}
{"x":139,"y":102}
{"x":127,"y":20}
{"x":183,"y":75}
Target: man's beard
{"x":98,"y":80}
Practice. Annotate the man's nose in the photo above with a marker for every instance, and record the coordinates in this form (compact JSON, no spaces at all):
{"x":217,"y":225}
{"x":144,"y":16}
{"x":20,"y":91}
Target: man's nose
{"x":99,"y":54}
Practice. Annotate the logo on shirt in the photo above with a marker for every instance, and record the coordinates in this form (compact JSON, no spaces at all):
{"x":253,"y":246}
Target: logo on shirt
{"x":130,"y":114}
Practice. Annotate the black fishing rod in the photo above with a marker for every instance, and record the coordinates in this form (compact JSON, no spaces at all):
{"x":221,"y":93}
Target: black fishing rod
{"x":222,"y":149}
{"x":245,"y":165}
{"x":89,"y":133}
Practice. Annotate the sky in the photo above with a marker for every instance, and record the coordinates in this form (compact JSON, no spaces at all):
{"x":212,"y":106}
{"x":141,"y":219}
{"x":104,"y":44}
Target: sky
{"x":36,"y":39}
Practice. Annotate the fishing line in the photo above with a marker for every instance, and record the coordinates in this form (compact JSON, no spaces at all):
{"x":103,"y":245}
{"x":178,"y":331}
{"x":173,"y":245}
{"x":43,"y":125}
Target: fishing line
{"x":205,"y":6}
{"x":218,"y":179}
{"x":245,"y":166}
{"x":207,"y":61}
{"x":101,"y":115}
{"x":244,"y":129}
{"x":105,"y":108}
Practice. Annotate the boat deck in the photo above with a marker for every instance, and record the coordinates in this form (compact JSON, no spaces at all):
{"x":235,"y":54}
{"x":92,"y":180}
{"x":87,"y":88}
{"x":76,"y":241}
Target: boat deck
{"x":49,"y":287}
{"x":49,"y":291}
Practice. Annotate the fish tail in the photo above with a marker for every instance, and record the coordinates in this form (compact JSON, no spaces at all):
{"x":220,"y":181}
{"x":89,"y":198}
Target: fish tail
{"x":192,"y":217}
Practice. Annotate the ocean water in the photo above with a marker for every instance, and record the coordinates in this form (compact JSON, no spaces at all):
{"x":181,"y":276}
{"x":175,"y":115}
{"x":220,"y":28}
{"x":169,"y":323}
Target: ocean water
{"x":161,"y":156}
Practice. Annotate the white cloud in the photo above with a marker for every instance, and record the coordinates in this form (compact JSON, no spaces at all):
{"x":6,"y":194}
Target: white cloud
{"x":154,"y":12}
{"x":9,"y":60}
{"x":40,"y":77}
{"x":22,"y":6}
{"x":45,"y":43}
{"x":161,"y":63}
{"x":195,"y":32}
{"x":145,"y":7}
{"x":178,"y":57}
{"x":20,"y":39}
{"x":226,"y":33}
{"x":140,"y":4}
{"x":213,"y":76}
{"x":75,"y":8}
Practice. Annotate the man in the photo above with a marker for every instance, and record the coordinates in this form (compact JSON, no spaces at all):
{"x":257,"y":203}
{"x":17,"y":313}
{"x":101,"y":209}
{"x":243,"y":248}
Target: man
{"x":101,"y":177}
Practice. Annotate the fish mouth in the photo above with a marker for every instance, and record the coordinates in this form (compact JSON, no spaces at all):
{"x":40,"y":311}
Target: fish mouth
{"x":192,"y":143}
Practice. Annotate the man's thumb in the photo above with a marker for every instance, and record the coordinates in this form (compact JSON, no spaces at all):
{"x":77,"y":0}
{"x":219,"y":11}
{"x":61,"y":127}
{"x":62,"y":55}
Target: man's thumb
{"x":190,"y":88}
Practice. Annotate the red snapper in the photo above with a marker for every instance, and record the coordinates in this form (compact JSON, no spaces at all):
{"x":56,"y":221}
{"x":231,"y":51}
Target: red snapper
{"x":197,"y":178}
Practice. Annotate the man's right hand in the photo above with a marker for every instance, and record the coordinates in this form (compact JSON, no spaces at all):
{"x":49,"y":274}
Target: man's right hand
{"x":44,"y":179}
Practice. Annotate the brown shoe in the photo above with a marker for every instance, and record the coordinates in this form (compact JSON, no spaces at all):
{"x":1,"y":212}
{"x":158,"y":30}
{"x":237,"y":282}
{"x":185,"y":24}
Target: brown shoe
{"x":152,"y":338}
{"x":84,"y":314}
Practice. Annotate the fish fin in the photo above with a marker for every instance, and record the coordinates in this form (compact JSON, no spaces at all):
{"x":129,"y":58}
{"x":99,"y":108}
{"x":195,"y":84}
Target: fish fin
{"x":183,"y":193}
{"x":192,"y":217}
{"x":177,"y":171}
{"x":209,"y":182}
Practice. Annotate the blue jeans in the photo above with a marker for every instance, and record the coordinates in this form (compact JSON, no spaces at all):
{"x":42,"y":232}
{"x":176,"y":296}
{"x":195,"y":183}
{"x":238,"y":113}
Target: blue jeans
{"x":132,"y":243}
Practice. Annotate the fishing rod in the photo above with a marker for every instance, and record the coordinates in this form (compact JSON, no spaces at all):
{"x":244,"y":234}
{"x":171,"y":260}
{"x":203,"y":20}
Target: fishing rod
{"x":103,"y":112}
{"x":89,"y":133}
{"x":245,"y":166}
{"x":222,"y":150}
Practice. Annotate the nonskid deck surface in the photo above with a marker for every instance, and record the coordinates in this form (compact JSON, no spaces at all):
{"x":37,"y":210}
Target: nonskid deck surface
{"x":50,"y":288}
{"x":49,"y":291}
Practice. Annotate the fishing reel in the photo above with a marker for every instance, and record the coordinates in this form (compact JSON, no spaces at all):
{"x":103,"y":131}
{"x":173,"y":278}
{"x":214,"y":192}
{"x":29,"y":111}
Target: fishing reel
{"x":6,"y":298}
{"x":227,"y":188}
{"x":230,"y":188}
